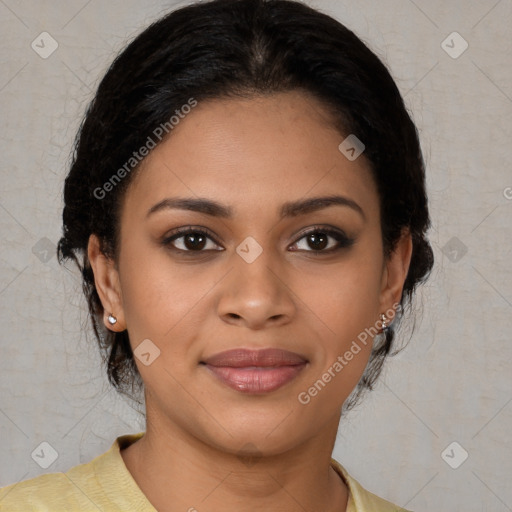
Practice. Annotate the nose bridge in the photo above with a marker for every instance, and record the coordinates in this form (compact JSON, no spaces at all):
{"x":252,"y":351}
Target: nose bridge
{"x":254,"y":291}
{"x":253,"y":270}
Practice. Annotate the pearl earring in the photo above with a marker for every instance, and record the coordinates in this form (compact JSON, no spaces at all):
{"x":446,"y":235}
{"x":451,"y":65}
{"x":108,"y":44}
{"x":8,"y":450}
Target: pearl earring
{"x":112,"y":319}
{"x":384,"y":320}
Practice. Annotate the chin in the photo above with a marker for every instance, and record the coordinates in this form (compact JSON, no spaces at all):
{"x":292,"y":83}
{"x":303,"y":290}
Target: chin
{"x":259,"y":434}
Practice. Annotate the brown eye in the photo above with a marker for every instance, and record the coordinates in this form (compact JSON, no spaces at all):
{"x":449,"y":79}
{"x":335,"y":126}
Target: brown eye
{"x":318,"y":240}
{"x":194,"y":241}
{"x":190,"y":240}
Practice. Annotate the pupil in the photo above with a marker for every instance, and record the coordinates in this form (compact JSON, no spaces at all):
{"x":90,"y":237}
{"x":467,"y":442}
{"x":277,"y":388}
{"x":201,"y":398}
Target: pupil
{"x":314,"y":239}
{"x":197,"y":240}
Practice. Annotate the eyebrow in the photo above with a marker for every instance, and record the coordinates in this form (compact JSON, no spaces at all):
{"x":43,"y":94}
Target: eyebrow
{"x":289,"y":209}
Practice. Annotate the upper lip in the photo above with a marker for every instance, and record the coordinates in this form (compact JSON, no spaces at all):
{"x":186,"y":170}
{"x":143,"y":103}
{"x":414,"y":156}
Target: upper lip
{"x":241,"y":358}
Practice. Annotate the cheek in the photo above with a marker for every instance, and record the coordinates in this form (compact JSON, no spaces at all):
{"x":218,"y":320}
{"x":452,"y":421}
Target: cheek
{"x":155,"y":297}
{"x":348,"y":307}
{"x":345,"y":300}
{"x":346,"y":296}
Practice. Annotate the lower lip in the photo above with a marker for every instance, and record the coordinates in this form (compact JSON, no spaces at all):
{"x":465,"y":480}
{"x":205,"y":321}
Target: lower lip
{"x":256,"y":379}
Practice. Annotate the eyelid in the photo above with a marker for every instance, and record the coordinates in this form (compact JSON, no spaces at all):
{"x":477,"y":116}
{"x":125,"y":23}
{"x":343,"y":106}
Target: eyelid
{"x":323,"y":228}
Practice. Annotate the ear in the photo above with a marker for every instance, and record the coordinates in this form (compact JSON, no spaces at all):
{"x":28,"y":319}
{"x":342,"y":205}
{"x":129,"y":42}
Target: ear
{"x":395,"y":272}
{"x":106,"y":278}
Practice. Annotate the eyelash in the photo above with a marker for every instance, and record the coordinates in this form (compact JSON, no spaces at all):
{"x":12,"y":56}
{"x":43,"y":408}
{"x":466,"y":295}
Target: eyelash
{"x":344,"y":242}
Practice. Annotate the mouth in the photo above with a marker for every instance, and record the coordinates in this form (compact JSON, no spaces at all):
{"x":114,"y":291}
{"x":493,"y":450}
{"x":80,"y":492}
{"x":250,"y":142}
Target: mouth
{"x":255,"y":371}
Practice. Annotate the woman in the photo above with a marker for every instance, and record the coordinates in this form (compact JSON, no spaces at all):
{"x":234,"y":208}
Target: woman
{"x":247,"y":205}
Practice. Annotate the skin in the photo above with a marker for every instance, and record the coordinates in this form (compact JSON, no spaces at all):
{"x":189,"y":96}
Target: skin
{"x":252,"y":155}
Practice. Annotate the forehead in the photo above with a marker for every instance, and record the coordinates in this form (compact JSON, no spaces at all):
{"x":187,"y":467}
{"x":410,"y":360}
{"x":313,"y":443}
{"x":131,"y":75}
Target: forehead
{"x":253,"y":153}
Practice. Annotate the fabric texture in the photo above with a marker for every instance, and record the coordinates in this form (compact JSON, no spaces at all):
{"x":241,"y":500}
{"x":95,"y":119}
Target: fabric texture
{"x":105,"y":484}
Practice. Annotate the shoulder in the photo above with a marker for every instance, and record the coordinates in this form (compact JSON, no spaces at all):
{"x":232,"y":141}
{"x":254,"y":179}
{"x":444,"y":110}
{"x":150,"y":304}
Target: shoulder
{"x":53,"y":491}
{"x":360,"y":499}
{"x":87,"y":487}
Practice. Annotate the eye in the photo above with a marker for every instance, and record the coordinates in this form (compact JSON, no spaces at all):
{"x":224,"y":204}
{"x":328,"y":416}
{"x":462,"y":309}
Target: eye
{"x":190,"y":240}
{"x":318,"y":239}
{"x":194,"y":240}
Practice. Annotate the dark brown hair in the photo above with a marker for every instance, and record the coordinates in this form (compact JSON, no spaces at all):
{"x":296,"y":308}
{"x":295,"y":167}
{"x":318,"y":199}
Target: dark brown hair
{"x":228,"y":48}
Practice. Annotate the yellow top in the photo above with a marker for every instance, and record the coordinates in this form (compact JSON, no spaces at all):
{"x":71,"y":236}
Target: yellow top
{"x":106,"y":485}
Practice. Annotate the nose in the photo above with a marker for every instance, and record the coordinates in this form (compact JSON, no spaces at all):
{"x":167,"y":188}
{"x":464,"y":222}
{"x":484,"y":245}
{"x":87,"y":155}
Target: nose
{"x":256,"y":295}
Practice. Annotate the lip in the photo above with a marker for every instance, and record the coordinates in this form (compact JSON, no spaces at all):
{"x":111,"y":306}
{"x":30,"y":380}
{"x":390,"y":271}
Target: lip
{"x":255,"y":371}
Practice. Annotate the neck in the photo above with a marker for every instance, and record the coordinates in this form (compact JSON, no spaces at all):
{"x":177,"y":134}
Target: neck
{"x":177,"y":471}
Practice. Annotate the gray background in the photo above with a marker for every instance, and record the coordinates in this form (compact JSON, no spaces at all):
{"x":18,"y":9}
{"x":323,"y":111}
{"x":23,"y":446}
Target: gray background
{"x":452,"y":382}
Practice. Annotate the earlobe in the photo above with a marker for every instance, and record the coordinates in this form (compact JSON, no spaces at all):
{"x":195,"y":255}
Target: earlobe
{"x":395,"y":272}
{"x":106,"y":279}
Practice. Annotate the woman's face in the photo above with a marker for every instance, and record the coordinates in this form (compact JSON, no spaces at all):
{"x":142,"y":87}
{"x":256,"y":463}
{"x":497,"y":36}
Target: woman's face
{"x":268,"y":274}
